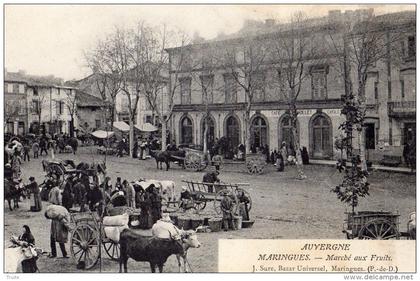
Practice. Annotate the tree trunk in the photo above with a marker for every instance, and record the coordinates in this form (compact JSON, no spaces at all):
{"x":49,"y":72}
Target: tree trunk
{"x":131,"y":137}
{"x":206,"y":126}
{"x":362,"y":143}
{"x":71,"y":126}
{"x":164,"y":125}
{"x":296,"y":145}
{"x":247,"y":129}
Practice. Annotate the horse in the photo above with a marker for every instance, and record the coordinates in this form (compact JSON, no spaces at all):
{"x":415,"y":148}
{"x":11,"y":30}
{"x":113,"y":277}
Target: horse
{"x":12,"y":192}
{"x":73,"y":142}
{"x":167,"y":157}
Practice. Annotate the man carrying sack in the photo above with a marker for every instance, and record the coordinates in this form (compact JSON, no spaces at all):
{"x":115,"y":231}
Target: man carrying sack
{"x":60,"y":219}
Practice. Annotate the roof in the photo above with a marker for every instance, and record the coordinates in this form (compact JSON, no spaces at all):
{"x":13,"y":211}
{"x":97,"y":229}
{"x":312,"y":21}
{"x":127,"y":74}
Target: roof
{"x":15,"y":77}
{"x":85,"y":100}
{"x":258,"y":30}
{"x":34,"y":80}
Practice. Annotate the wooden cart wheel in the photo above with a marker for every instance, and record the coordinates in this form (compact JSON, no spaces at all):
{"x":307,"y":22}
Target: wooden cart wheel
{"x":249,"y":198}
{"x":379,"y":229}
{"x":217,"y":160}
{"x":84,"y":245}
{"x":193,"y":161}
{"x":56,"y":170}
{"x":112,"y":248}
{"x":218,"y":199}
{"x":199,"y":201}
{"x":254,"y":165}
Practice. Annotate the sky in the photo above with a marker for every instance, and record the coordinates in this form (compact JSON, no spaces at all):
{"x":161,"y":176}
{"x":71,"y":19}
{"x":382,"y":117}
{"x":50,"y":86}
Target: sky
{"x":51,"y":39}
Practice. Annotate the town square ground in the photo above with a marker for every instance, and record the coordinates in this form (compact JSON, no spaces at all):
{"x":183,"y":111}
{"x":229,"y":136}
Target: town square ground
{"x":283,"y":207}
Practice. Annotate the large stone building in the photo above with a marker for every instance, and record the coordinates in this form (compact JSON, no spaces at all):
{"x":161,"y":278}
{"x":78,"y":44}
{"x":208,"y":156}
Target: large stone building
{"x":390,"y":93}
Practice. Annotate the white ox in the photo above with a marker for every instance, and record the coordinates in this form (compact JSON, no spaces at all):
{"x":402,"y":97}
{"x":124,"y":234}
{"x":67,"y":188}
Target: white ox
{"x":166,"y":230}
{"x":166,"y":188}
{"x":14,"y":256}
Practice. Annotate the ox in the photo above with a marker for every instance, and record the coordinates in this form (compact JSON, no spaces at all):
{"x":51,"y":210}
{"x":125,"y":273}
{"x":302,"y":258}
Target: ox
{"x":154,"y":250}
{"x":164,"y":228}
{"x":166,"y":187}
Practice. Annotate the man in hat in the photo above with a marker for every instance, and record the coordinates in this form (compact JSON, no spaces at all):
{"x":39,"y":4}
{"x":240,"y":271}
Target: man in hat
{"x":33,"y":188}
{"x":185,"y":199}
{"x":164,"y":228}
{"x":211,"y":177}
{"x":227,"y":206}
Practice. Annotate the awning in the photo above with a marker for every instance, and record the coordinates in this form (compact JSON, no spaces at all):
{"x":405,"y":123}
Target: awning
{"x":122,"y":126}
{"x":147,"y":127}
{"x":102,"y":134}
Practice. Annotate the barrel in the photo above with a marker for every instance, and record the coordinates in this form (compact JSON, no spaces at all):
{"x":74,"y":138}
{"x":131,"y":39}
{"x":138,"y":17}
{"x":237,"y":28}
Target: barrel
{"x":184,"y":223}
{"x":215,"y":224}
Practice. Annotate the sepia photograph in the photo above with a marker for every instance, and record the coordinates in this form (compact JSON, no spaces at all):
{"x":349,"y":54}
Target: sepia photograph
{"x":209,"y":138}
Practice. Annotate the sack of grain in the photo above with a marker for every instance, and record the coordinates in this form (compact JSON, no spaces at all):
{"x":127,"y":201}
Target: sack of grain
{"x":116,"y":220}
{"x":56,"y":211}
{"x":113,"y":232}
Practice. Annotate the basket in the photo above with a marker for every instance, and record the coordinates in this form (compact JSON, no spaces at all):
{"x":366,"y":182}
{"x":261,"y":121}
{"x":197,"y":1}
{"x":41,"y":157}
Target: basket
{"x":215,"y":224}
{"x":196,"y":222}
{"x":184,"y":223}
{"x":237,"y":222}
{"x":247,"y":224}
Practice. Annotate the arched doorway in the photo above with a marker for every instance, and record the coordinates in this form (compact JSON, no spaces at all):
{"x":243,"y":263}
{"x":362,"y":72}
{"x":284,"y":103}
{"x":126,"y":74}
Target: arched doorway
{"x":186,"y":130}
{"x":259,"y":132}
{"x":285,"y":130}
{"x":232,"y":132}
{"x":210,"y":131}
{"x":321,"y":136}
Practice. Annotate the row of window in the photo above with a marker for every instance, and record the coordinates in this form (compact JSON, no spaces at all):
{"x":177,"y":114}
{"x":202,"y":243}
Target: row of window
{"x":318,"y":83}
{"x":14,"y":88}
{"x":36,"y":107}
{"x":320,"y":133}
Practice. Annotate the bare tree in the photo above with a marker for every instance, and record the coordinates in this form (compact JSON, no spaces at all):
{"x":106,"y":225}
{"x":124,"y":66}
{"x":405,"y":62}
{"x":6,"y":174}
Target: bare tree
{"x":295,"y":50}
{"x":107,"y":79}
{"x":205,"y":79}
{"x":245,"y":60}
{"x":155,"y":47}
{"x":364,"y":43}
{"x":71,"y":105}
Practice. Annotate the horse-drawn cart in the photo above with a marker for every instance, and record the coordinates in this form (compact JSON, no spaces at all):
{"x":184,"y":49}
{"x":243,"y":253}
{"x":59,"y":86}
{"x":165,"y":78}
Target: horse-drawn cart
{"x":87,"y":238}
{"x":194,"y":160}
{"x":373,"y":225}
{"x":202,"y":192}
{"x":60,"y":169}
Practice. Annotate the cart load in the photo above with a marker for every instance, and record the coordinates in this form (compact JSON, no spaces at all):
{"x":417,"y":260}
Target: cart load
{"x":375,"y":225}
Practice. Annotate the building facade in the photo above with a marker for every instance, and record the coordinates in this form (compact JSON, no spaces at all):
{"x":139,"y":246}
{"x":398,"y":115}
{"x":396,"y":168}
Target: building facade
{"x":15,"y":105}
{"x":37,"y":105}
{"x":390,"y":94}
{"x":144,"y":113}
{"x":91,"y":114}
